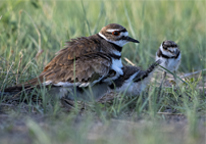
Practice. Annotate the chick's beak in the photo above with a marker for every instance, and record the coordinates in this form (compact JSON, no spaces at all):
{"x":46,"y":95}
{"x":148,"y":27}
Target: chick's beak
{"x":176,"y":52}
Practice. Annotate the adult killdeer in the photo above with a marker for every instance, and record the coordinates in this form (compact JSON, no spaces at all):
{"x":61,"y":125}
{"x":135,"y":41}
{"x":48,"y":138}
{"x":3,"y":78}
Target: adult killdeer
{"x":170,"y":55}
{"x":86,"y":61}
{"x":134,"y":80}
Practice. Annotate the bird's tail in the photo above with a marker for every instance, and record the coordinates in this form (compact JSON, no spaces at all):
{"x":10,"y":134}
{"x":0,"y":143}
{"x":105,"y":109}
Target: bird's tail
{"x":36,"y":82}
{"x":18,"y":89}
{"x":10,"y":92}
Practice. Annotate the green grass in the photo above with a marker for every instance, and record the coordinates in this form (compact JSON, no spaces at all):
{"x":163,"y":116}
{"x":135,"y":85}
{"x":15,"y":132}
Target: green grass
{"x":28,"y":28}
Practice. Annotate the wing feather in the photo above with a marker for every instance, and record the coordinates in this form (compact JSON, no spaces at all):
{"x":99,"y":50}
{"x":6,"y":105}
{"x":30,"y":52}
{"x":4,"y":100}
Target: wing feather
{"x":89,"y":68}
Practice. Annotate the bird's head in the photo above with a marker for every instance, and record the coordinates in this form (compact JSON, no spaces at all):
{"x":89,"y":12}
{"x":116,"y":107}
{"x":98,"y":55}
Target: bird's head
{"x":169,"y":48}
{"x":116,"y":34}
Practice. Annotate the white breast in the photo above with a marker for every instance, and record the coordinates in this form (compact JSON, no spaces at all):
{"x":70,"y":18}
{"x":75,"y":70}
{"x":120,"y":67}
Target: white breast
{"x":170,"y":64}
{"x":117,"y":67}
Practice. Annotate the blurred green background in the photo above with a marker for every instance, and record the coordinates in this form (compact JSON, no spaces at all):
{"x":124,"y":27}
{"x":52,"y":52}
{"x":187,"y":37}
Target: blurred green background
{"x":28,"y":27}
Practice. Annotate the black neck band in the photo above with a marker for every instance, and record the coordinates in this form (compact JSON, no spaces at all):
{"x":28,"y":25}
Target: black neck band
{"x":115,"y":56}
{"x":118,"y":48}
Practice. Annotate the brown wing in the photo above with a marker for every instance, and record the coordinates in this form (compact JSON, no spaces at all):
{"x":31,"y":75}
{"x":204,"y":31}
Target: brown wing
{"x":89,"y":68}
{"x":80,"y":46}
{"x":90,"y":65}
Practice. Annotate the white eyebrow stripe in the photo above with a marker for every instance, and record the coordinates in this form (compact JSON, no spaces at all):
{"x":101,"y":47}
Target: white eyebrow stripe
{"x":111,"y":30}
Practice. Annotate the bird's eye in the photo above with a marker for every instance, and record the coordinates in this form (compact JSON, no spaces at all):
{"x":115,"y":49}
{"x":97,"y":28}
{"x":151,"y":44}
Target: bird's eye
{"x":115,"y":33}
{"x":164,"y":47}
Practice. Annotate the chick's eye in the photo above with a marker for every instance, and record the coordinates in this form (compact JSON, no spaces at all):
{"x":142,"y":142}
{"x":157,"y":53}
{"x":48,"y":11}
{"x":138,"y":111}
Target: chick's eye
{"x":164,"y":47}
{"x":115,"y":33}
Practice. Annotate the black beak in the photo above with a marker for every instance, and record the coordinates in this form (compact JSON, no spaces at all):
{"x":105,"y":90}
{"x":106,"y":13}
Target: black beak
{"x":177,"y":52}
{"x":131,"y":39}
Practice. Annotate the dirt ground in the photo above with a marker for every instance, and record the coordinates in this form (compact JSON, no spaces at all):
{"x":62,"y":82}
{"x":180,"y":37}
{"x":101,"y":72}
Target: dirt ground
{"x":21,"y":126}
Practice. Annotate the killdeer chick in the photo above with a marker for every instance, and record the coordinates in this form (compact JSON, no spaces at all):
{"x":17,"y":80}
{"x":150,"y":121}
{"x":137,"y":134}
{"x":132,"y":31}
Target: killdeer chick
{"x":86,"y":61}
{"x":170,"y":55}
{"x":134,"y":80}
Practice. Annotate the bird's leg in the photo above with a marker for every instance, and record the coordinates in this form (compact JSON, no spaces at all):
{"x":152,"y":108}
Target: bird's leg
{"x":163,"y":78}
{"x":175,"y":78}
